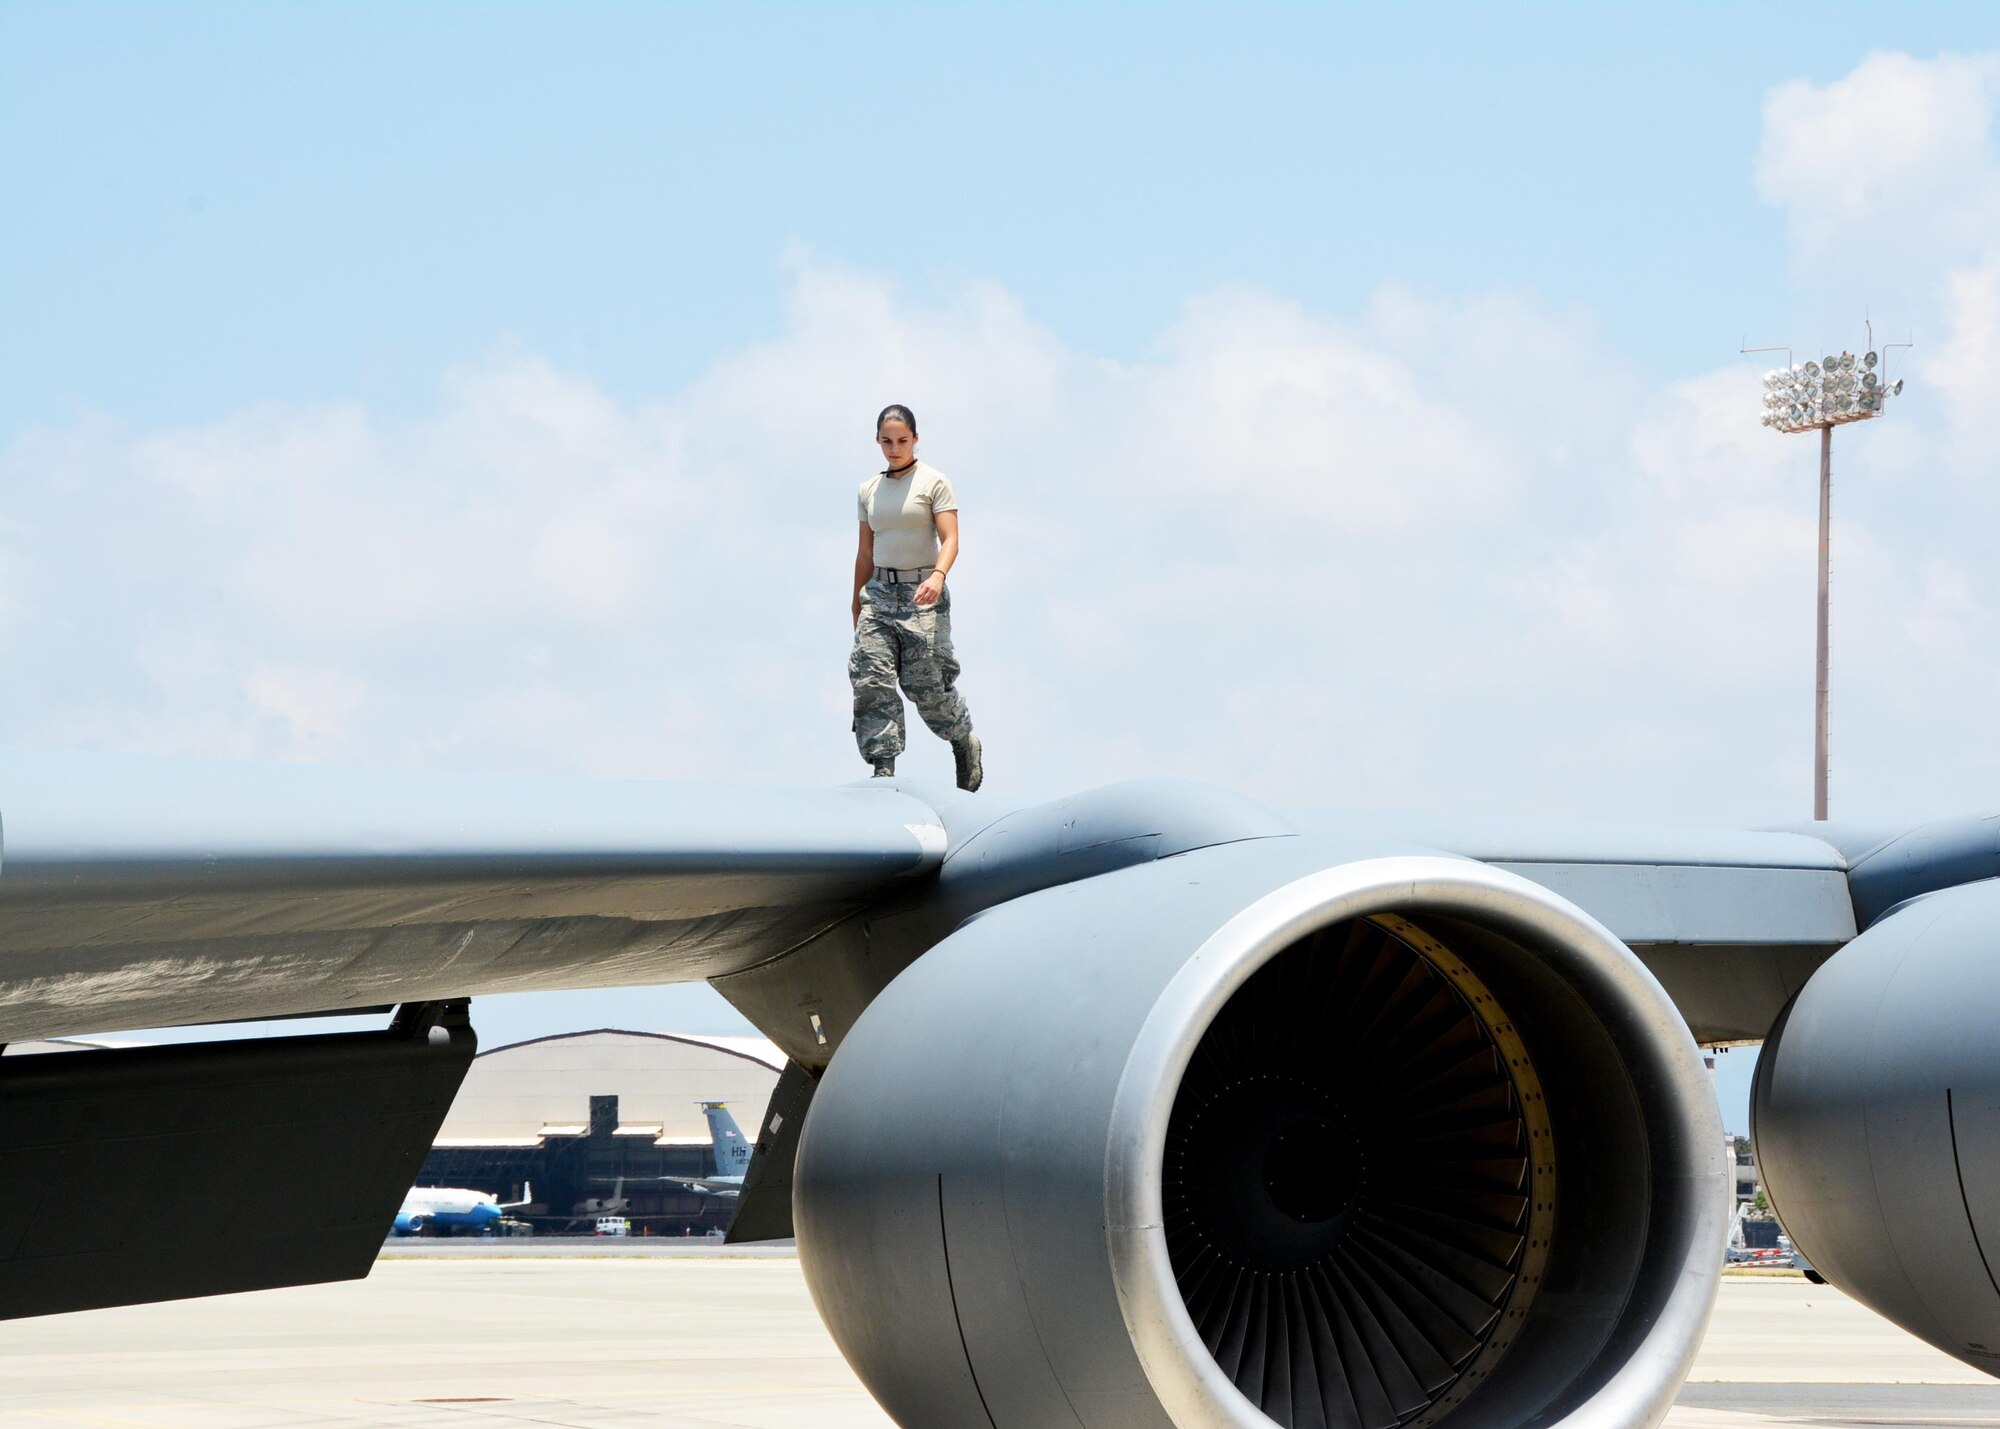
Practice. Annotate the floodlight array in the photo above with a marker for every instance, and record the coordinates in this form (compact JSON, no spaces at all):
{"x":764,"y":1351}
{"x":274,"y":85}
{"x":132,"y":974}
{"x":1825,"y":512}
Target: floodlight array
{"x":1842,"y":388}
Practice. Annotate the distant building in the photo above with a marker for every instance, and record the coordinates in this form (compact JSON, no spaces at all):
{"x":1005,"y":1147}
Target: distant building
{"x":1748,"y":1184}
{"x":574,"y":1114}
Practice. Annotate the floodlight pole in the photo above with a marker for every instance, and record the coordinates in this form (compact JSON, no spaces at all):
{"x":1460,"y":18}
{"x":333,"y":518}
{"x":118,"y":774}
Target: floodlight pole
{"x":1819,"y":681}
{"x":1797,"y":402}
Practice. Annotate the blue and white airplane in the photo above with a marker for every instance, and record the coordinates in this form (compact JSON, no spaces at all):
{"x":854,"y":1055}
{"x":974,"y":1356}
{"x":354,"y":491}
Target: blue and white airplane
{"x":450,"y":1208}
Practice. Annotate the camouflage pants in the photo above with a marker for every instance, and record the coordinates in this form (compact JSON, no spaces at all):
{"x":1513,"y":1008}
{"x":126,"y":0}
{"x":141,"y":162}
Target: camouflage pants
{"x":899,"y":641}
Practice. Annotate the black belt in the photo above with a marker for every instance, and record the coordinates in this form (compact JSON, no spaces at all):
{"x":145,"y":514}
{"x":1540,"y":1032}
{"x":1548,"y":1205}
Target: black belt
{"x":916,"y":575}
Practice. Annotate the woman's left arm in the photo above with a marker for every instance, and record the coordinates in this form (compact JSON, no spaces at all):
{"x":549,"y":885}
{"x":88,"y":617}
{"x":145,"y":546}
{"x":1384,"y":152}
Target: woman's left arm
{"x":947,"y":529}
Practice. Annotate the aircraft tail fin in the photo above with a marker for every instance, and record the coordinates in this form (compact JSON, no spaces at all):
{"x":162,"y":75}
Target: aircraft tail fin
{"x":527,"y":1198}
{"x":732,"y":1151}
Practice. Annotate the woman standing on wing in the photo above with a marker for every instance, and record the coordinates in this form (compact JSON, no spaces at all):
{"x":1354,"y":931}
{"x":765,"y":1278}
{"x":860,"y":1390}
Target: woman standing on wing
{"x":902,"y":612}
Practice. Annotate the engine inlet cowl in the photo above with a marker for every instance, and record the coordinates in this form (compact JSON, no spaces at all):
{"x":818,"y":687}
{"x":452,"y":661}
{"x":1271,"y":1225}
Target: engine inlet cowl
{"x":1268,"y":1134}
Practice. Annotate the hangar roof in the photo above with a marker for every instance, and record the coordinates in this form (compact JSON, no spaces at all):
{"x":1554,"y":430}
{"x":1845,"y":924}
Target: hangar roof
{"x":520,"y":1094}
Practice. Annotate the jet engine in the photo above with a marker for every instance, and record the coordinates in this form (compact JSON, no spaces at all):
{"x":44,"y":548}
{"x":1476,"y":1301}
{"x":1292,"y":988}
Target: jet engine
{"x":1275,"y":1132}
{"x":1876,"y":1113}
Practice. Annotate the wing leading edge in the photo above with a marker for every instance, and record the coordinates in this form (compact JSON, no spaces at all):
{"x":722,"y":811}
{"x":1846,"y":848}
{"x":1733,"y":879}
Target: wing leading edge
{"x":143,"y":892}
{"x":148,"y":892}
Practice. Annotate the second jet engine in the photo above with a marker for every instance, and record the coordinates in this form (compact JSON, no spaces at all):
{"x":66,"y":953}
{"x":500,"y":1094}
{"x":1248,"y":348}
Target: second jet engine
{"x":1876,"y":1113}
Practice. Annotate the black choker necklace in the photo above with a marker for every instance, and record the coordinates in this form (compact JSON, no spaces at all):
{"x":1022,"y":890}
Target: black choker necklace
{"x":899,"y":470}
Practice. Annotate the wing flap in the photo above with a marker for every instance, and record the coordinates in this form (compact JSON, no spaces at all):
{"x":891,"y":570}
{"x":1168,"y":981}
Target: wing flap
{"x":244,"y":1165}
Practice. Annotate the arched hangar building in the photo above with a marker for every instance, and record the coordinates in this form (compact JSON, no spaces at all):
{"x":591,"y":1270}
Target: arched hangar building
{"x":575,"y":1114}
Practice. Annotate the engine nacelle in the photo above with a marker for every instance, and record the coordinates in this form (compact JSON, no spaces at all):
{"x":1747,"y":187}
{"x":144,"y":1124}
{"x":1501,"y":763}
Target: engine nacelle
{"x":1876,"y":1114}
{"x":1269,"y":1133}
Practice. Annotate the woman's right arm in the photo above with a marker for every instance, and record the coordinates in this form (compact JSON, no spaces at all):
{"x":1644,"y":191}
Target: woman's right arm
{"x":864,"y":566}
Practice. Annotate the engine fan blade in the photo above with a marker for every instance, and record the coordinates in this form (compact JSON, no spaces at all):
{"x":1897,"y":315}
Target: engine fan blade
{"x":1346,"y":1181}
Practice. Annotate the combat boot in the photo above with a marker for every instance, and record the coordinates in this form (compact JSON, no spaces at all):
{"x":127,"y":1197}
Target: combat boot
{"x":965,"y":754}
{"x":885,"y":769}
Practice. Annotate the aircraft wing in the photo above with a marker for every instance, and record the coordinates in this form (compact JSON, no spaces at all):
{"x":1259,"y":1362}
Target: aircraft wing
{"x":1732,"y":922}
{"x":140,"y":892}
{"x":146,"y":892}
{"x":1647,"y":883}
{"x":709,"y":1185}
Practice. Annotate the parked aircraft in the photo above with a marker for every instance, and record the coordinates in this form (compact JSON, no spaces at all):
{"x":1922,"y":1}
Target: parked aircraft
{"x":732,"y":1156}
{"x":450,"y":1208}
{"x":615,"y":1204}
{"x":1149,"y":1105}
{"x":595,"y":1213}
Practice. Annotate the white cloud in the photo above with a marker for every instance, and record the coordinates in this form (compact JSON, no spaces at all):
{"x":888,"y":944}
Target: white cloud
{"x":1965,"y":367}
{"x":1700,"y":439}
{"x":1325,"y":562}
{"x":10,"y":582}
{"x":1890,"y":181}
{"x":1441,"y":553}
{"x":1315,"y":425}
{"x":522,"y":496}
{"x":315,"y":705}
{"x":1898,"y":154}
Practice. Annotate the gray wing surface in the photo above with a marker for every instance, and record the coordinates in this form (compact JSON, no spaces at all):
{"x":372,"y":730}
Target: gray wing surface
{"x":1732,"y":922}
{"x":146,"y":892}
{"x":142,"y":892}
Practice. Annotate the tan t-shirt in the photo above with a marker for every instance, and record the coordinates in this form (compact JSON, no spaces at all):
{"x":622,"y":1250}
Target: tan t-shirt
{"x":902,"y":512}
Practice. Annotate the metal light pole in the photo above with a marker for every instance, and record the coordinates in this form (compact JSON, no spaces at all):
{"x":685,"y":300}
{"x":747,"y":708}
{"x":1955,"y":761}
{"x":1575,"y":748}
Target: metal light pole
{"x":1817,"y":398}
{"x":1819,"y":664}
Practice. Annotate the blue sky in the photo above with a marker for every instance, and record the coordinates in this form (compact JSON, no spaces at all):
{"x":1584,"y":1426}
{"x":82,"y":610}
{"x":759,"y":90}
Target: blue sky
{"x":412,"y":385}
{"x":219,"y":205}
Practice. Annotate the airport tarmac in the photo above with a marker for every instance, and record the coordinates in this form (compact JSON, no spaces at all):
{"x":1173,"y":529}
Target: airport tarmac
{"x":701,"y":1339}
